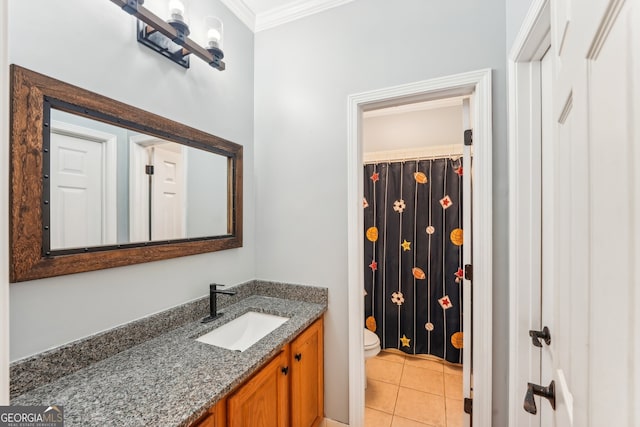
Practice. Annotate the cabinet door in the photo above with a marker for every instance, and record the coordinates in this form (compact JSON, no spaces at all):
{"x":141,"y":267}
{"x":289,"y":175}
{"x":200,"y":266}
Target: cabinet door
{"x":215,"y":417}
{"x":307,"y":377}
{"x":208,"y":421}
{"x":263,"y":401}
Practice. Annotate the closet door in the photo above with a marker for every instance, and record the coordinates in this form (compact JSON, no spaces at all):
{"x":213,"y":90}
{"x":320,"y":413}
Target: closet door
{"x":592,"y":301}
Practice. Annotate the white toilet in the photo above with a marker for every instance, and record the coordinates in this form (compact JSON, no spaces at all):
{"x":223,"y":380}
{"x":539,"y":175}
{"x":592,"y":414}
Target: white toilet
{"x":371,"y":347}
{"x":371,"y":344}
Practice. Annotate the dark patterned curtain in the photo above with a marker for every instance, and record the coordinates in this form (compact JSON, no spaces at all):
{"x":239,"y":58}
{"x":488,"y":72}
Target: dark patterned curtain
{"x":413,"y":255}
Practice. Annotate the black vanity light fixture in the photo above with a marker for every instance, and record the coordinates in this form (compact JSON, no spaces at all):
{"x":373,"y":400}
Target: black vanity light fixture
{"x":171,"y":39}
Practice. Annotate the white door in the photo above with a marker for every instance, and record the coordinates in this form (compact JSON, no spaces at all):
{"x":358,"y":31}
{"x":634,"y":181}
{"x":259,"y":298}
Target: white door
{"x":467,"y":357}
{"x":167,"y":194}
{"x":590,"y":207}
{"x":82,"y":188}
{"x":598,"y":110}
{"x":549,"y":175}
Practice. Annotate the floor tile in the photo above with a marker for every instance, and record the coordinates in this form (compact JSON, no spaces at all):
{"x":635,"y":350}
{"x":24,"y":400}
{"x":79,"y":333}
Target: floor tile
{"x":373,"y":418}
{"x":453,"y":386}
{"x":455,"y":412}
{"x":452,"y":369}
{"x":391,"y":356}
{"x":382,"y":370}
{"x":426,"y":408}
{"x":421,"y":379}
{"x":405,"y":422}
{"x":424,"y":363}
{"x":381,"y":396}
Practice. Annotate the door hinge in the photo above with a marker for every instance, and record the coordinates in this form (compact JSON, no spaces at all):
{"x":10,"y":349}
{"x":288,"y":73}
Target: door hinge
{"x":468,"y":272}
{"x":468,"y":405}
{"x":468,"y":137}
{"x":148,"y":169}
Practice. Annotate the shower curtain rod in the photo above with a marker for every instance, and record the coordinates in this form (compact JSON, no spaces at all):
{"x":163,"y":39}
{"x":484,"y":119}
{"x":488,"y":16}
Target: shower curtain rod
{"x":413,"y":159}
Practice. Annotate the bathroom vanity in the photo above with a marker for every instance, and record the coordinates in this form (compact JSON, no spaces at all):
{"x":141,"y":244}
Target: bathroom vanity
{"x":286,"y":391}
{"x":174,"y":380}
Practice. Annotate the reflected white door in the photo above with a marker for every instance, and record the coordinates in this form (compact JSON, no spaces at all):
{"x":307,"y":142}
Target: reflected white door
{"x":167,"y":216}
{"x":82,"y":188}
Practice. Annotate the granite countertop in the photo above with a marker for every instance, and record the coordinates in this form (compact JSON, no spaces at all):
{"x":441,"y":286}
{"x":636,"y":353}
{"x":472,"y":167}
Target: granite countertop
{"x":170,"y":380}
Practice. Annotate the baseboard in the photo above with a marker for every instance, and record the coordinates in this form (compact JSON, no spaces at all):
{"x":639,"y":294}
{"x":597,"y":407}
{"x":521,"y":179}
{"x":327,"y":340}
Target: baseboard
{"x":327,"y":422}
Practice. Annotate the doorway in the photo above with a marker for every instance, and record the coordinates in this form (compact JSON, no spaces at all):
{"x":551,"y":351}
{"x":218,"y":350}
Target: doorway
{"x":417,"y":180}
{"x":477,"y":84}
{"x":157,"y":177}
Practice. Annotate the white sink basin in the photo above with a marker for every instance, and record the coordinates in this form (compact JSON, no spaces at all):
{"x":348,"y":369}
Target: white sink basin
{"x":244,"y":331}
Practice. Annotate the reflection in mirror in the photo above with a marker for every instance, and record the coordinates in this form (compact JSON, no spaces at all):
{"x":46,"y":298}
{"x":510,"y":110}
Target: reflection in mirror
{"x":111,"y":185}
{"x":81,"y":199}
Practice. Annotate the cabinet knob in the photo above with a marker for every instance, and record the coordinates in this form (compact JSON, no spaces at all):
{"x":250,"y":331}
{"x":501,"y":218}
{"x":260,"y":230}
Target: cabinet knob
{"x":298,"y":356}
{"x":285,"y":370}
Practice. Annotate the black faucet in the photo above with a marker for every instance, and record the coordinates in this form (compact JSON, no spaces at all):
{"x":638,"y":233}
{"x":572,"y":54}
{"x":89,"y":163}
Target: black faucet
{"x":213,"y":302}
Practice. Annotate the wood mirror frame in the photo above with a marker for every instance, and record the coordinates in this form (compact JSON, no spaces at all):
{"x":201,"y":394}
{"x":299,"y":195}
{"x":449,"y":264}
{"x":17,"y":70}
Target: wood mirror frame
{"x":27,"y":258}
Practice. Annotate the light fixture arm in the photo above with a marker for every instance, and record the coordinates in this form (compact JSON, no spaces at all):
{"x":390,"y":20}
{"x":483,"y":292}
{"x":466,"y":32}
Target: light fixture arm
{"x":135,"y":8}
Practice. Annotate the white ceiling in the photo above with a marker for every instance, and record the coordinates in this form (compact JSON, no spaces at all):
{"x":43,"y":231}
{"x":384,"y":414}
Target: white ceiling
{"x":260,"y":15}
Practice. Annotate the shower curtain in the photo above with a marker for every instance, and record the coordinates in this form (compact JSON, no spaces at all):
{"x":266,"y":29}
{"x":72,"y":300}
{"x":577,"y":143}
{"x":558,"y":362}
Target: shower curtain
{"x":413,"y":255}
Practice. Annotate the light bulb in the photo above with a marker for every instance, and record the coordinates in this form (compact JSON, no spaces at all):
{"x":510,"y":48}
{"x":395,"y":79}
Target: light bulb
{"x":213,"y":37}
{"x":214,"y":32}
{"x":176,"y":10}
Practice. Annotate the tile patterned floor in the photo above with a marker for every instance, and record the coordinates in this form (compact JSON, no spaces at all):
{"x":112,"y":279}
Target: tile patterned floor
{"x":405,"y":391}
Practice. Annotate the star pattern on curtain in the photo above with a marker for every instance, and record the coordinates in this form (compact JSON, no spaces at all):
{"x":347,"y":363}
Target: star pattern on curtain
{"x":405,"y":341}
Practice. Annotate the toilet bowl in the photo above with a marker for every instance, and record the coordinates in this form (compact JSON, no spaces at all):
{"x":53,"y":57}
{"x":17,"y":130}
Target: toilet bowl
{"x":371,"y":347}
{"x":371,"y":344}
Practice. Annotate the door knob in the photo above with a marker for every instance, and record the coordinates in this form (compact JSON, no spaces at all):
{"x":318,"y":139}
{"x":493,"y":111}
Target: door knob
{"x":548,"y":393}
{"x":537,"y":335}
{"x":285,"y":370}
{"x":298,"y":356}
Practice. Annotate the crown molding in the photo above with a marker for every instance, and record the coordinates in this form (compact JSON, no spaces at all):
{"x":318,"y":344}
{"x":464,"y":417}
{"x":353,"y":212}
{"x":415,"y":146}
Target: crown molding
{"x":292,"y":11}
{"x":243,"y":12}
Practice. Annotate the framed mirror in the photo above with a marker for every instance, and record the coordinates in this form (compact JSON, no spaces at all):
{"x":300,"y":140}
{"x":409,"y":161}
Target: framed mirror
{"x":96,"y":183}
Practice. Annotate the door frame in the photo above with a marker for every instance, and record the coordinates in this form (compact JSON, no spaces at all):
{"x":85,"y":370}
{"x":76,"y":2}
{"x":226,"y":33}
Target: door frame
{"x":525,"y":141}
{"x":138,"y":184}
{"x":478,"y":83}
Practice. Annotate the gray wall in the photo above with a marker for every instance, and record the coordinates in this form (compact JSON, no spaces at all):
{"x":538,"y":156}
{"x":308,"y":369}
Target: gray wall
{"x":305,"y":71}
{"x":516,"y":10}
{"x":92,"y":44}
{"x":206,"y":194}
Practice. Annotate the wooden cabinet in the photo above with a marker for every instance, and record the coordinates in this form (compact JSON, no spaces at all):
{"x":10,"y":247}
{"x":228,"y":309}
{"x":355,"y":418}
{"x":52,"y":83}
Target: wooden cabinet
{"x":215,"y":417}
{"x":307,"y":377}
{"x":286,"y":392}
{"x":263,"y":401}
